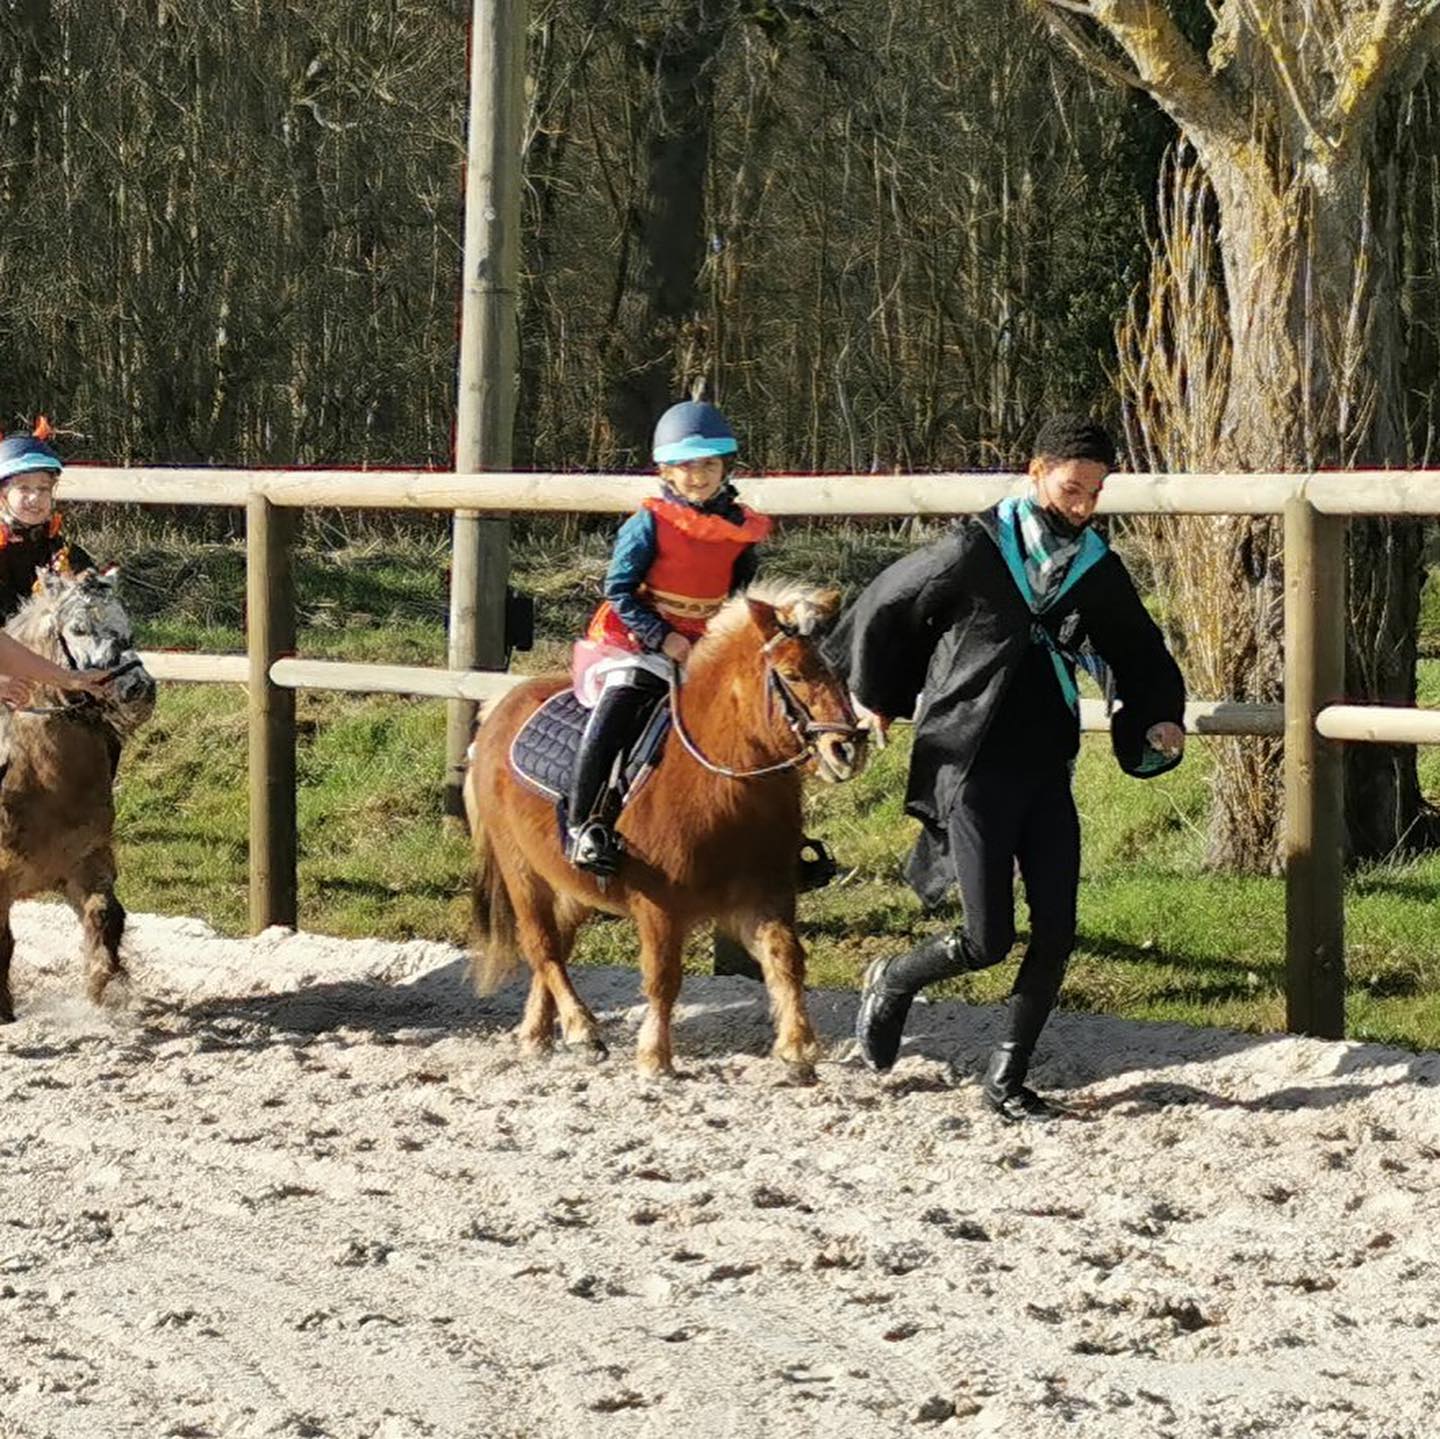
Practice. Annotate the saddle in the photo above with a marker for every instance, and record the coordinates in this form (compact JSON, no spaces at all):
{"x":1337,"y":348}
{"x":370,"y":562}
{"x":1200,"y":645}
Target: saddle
{"x":542,"y":754}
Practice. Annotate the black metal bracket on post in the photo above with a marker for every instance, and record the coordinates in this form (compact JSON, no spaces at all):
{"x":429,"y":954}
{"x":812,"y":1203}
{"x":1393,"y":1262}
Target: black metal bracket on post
{"x":817,"y":869}
{"x":519,"y":622}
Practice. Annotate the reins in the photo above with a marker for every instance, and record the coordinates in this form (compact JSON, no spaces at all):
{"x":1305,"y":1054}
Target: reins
{"x":803,"y":725}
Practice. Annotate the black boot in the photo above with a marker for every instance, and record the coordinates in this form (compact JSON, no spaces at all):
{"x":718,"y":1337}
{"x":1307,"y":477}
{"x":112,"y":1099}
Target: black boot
{"x":1005,"y":1089}
{"x":592,"y":843}
{"x":889,"y":987}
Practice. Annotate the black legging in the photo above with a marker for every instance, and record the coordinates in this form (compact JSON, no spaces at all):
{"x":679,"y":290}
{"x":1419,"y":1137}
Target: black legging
{"x":1000,"y":816}
{"x":614,"y":724}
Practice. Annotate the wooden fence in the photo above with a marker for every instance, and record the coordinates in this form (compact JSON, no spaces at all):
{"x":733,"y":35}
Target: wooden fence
{"x":1312,"y":720}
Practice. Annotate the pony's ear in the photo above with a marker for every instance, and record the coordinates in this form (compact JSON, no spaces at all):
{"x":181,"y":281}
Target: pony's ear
{"x":763,"y":617}
{"x":812,"y":614}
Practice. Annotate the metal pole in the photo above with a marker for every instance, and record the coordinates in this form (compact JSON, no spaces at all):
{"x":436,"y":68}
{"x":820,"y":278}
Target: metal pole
{"x":1314,"y":773}
{"x":489,"y":353}
{"x":270,"y":635}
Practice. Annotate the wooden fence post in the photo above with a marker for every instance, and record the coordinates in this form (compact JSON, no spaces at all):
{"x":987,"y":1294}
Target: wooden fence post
{"x":270,"y":635}
{"x":1314,"y":773}
{"x":489,"y":354}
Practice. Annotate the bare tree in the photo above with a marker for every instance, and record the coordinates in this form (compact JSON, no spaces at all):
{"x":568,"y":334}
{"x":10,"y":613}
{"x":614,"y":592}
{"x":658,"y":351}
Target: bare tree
{"x":1287,"y":108}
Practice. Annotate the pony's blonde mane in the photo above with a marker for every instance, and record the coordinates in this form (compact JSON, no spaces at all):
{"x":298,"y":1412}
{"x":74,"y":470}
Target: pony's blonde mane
{"x":799,"y":600}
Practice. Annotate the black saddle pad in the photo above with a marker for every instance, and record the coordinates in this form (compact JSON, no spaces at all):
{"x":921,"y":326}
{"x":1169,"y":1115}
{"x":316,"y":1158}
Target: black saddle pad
{"x":542,"y":754}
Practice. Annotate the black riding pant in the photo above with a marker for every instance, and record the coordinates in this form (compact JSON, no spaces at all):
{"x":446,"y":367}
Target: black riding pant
{"x":1001,"y":816}
{"x":614,"y":725}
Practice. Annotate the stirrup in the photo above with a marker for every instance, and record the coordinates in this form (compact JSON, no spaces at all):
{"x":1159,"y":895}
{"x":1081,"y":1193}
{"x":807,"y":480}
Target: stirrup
{"x":595,"y":848}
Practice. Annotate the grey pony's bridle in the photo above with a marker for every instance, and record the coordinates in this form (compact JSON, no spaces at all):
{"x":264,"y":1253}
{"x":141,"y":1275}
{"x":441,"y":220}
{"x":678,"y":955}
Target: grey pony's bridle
{"x":82,"y":706}
{"x":803,"y":725}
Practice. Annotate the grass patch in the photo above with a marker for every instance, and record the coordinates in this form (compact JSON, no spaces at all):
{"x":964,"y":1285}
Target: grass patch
{"x":1159,"y":937}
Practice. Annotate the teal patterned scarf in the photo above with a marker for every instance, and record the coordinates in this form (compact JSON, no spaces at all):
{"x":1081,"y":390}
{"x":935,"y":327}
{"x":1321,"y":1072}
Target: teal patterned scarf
{"x":1050,"y":543}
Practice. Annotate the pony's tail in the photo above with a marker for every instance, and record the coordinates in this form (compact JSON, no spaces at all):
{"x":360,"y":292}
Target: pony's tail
{"x":494,"y":951}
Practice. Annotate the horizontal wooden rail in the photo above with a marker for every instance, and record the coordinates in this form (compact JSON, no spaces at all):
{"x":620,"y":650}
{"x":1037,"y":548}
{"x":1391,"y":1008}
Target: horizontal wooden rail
{"x":1374,"y":492}
{"x":1360,"y":492}
{"x":1205,"y":717}
{"x":417,"y":680}
{"x":197,"y":669}
{"x":1364,"y":724}
{"x":1379,"y":724}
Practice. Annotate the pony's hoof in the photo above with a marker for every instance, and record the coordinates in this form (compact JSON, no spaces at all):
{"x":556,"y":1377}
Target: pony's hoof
{"x":7,"y":1014}
{"x":801,"y":1074}
{"x":591,"y":1048}
{"x":532,"y":1047}
{"x":109,"y":989}
{"x":655,"y":1071}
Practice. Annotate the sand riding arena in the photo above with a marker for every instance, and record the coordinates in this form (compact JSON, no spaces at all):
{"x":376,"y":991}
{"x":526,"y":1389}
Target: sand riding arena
{"x":302,"y":1186}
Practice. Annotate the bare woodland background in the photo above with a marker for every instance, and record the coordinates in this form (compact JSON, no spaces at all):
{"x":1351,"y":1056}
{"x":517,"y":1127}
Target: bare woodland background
{"x":887,"y":235}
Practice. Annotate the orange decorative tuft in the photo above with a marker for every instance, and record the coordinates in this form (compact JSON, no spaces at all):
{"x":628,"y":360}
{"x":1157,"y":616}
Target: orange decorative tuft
{"x":43,"y":430}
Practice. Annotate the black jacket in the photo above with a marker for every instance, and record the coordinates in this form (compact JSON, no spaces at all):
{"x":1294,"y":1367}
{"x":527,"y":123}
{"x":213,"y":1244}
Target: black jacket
{"x":943,"y":636}
{"x":22,"y":552}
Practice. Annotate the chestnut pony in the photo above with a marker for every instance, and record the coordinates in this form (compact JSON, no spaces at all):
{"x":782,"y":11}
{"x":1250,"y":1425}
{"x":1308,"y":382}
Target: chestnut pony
{"x":714,"y":834}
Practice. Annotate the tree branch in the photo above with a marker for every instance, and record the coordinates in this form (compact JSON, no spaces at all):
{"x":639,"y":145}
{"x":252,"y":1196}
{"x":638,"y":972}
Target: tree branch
{"x":1169,"y":68}
{"x":1271,"y":32}
{"x":1402,"y":37}
{"x":1082,"y":47}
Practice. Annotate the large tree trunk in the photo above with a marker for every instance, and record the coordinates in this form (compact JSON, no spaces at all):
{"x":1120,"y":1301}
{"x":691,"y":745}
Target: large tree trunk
{"x":1270,"y":341}
{"x":1384,"y":809}
{"x":660,"y":287}
{"x":1291,"y":111}
{"x":1314,"y":382}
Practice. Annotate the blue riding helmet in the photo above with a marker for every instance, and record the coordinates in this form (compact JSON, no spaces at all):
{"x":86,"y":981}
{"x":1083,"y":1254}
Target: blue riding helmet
{"x":693,"y":430}
{"x":19,"y":453}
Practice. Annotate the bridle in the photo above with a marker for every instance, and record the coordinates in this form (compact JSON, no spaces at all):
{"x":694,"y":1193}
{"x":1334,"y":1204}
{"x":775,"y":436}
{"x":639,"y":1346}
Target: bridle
{"x":801,"y":723}
{"x":81,"y":706}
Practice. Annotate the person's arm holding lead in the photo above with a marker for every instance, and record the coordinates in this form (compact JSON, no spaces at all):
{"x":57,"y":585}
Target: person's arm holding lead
{"x":23,"y":667}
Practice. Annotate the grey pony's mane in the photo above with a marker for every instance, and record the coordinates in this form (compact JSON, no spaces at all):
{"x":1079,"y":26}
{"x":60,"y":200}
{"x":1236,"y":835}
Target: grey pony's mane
{"x":33,"y":624}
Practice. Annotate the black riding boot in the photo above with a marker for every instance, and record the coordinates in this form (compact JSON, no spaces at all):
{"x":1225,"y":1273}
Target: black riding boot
{"x":593,"y":844}
{"x":890,"y":986}
{"x":1005,"y":1089}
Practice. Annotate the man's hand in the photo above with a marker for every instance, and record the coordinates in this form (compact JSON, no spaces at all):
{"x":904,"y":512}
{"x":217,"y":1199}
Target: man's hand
{"x":876,"y":725}
{"x":1166,"y":738}
{"x":88,"y":682}
{"x":676,"y":646}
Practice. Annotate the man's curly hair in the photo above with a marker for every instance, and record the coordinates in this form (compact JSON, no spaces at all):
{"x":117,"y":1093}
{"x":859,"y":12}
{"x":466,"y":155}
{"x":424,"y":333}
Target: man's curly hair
{"x":1074,"y":437}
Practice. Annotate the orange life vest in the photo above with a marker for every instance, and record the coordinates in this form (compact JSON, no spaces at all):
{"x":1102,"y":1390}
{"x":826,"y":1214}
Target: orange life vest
{"x":691,"y":574}
{"x":9,"y":536}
